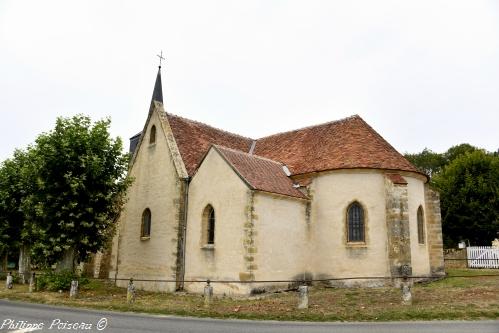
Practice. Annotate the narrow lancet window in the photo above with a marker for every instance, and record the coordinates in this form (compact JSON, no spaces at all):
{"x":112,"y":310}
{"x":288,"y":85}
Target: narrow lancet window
{"x":146,"y":223}
{"x":208,"y":226}
{"x":355,"y":223}
{"x":152,"y":134}
{"x":421,"y":235}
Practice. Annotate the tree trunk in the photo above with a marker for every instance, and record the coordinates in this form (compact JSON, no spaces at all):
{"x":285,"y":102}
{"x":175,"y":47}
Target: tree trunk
{"x":67,"y":262}
{"x":24,"y":263}
{"x":4,"y":259}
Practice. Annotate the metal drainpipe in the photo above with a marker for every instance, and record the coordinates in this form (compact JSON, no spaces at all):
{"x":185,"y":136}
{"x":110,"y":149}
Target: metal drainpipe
{"x":184,"y":232}
{"x":117,"y":253}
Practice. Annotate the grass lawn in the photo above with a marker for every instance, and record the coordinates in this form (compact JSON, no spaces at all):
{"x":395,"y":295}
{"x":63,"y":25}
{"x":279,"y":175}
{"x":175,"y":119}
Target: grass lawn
{"x":470,"y":298}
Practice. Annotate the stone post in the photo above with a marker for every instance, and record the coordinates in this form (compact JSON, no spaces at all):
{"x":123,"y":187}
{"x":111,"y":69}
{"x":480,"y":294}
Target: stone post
{"x":130,"y":292}
{"x":406,"y":292}
{"x":208,"y":294}
{"x":9,"y":281}
{"x":32,"y":282}
{"x":73,"y":292}
{"x":406,"y":284}
{"x":303,"y":297}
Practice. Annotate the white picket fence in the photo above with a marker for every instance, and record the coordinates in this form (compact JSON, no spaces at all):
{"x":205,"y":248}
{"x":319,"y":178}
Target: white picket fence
{"x":483,"y":257}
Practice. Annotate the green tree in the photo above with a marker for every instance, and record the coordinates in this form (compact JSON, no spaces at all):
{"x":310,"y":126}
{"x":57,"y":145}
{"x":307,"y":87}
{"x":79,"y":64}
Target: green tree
{"x":11,"y":217}
{"x":80,"y":189}
{"x":469,"y":192}
{"x":17,"y":228}
{"x":455,"y":151}
{"x":427,"y":161}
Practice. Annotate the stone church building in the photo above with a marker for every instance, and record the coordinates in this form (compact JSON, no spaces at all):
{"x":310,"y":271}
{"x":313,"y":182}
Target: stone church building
{"x":333,"y":200}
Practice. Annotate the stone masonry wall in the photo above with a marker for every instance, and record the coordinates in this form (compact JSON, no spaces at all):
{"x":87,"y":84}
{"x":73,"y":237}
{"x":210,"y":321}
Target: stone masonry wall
{"x":249,"y":240}
{"x":397,"y":222}
{"x":434,"y":225}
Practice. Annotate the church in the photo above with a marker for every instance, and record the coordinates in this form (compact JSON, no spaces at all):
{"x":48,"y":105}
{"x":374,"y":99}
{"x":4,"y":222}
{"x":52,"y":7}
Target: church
{"x":330,"y":201}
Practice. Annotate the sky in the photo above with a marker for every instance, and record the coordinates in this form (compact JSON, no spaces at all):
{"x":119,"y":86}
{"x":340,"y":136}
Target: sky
{"x":421,"y":73}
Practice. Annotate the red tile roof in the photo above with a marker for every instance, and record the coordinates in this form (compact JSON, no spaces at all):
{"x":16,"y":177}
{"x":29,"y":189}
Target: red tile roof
{"x":260,"y":173}
{"x":344,"y":144}
{"x":396,"y":178}
{"x":194,"y":139}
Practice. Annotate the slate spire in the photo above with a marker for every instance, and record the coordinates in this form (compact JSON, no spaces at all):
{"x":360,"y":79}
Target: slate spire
{"x":157,"y":94}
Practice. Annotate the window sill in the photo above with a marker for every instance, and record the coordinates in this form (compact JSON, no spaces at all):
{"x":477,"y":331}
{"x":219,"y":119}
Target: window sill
{"x":144,"y":238}
{"x":208,"y":247}
{"x":357,"y":244}
{"x":151,"y":145}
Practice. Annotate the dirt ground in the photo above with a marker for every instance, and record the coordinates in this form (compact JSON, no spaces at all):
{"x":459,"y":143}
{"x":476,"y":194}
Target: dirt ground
{"x":473,"y":297}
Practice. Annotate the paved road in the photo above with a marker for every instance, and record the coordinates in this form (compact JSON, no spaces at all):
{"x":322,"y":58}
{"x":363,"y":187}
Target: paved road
{"x":62,"y":319}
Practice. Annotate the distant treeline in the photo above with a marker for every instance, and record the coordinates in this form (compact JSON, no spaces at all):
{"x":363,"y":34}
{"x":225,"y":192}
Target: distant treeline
{"x":468,"y":180}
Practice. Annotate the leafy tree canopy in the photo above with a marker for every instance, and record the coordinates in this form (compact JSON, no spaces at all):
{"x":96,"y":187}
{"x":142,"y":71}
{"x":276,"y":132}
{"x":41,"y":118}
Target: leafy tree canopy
{"x":467,"y":179}
{"x":80,"y":188}
{"x":427,"y":161}
{"x":456,"y":151}
{"x":10,"y":217}
{"x":17,"y":180}
{"x":469,"y":188}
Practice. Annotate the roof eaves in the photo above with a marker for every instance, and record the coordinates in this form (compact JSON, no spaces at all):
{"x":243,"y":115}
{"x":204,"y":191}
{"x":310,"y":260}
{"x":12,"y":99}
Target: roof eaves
{"x":300,"y":197}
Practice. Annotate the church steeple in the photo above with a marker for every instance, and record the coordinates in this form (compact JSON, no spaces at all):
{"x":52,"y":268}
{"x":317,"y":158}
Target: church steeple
{"x":157,"y":94}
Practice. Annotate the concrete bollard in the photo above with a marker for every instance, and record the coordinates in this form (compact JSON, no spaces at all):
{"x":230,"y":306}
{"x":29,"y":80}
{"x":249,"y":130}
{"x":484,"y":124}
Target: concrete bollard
{"x":208,"y":294}
{"x":130,"y":292}
{"x":23,"y":278}
{"x":303,"y":297}
{"x":32,"y":282}
{"x":406,"y":292}
{"x":73,"y":292}
{"x":9,"y":281}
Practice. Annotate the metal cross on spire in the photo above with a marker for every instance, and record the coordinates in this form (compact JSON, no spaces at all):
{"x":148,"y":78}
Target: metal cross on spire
{"x":160,"y":56}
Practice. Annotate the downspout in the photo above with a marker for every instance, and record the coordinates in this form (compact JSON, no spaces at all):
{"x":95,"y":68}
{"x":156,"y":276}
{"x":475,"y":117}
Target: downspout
{"x":184,"y":233}
{"x":117,"y":254}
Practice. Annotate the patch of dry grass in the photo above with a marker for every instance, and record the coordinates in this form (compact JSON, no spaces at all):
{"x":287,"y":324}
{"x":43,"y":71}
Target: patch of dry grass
{"x":450,"y":298}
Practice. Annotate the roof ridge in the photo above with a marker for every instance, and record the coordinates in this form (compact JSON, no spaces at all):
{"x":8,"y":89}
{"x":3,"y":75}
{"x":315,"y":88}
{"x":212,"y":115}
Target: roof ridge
{"x":210,"y":126}
{"x":355,"y":116}
{"x":375,"y":133}
{"x":247,"y":154}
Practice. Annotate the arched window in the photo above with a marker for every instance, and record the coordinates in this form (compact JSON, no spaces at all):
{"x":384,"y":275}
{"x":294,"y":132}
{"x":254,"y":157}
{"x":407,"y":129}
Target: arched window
{"x":355,"y":222}
{"x":152,"y":134}
{"x":421,"y":235}
{"x":208,"y":225}
{"x":145,"y":230}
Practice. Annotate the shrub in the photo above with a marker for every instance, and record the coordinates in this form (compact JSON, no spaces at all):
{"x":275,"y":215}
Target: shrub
{"x":58,"y":281}
{"x":15,"y":277}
